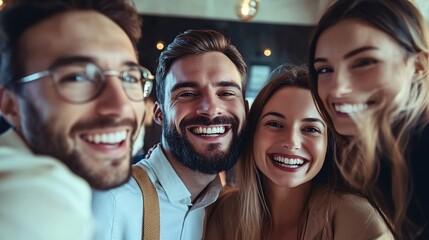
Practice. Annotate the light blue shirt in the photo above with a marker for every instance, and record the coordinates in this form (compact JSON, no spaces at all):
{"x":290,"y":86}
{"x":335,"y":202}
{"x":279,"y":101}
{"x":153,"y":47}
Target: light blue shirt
{"x":119,"y":211}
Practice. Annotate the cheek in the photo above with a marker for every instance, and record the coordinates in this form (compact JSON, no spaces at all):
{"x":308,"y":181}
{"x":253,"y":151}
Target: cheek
{"x":318,"y":152}
{"x":322,"y":91}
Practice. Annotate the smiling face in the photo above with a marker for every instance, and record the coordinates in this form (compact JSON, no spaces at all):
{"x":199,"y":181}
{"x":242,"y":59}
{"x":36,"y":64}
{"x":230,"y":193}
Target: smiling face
{"x":290,"y":141}
{"x":203,"y":112}
{"x":93,"y":138}
{"x":357,"y":66}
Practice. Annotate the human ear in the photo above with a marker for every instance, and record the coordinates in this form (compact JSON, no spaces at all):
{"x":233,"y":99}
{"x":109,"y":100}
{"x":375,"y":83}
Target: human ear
{"x":157,"y":113}
{"x":421,"y":65}
{"x":8,"y":106}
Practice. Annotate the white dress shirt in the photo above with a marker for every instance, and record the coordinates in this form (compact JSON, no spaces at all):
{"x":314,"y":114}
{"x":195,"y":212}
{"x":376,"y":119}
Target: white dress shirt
{"x":119,"y":211}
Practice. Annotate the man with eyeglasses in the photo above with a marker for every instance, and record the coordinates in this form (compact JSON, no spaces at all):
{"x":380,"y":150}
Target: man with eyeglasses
{"x":73,"y":91}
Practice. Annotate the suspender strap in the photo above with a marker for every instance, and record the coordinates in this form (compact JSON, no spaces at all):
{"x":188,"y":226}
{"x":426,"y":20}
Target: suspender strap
{"x":151,"y":229}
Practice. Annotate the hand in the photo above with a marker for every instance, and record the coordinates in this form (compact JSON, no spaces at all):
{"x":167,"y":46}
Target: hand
{"x":149,"y":152}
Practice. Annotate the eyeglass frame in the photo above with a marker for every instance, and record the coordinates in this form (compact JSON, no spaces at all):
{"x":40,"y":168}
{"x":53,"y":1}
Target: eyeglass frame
{"x":51,"y":71}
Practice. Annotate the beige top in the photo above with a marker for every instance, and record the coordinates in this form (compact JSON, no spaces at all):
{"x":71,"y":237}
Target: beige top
{"x":329,"y":215}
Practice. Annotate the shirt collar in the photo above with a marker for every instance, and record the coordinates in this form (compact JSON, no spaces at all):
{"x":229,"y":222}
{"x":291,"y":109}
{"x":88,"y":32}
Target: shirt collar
{"x":174,"y":188}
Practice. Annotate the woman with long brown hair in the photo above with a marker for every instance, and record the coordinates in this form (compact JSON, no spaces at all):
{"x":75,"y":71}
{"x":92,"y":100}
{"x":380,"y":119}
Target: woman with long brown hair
{"x":286,"y":180}
{"x":368,"y":63}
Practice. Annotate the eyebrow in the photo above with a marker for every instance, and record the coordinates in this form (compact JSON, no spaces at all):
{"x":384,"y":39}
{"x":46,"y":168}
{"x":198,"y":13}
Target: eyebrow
{"x":193,"y":84}
{"x":349,"y":54}
{"x":276,"y":114}
{"x":314,"y":120}
{"x":84,"y":59}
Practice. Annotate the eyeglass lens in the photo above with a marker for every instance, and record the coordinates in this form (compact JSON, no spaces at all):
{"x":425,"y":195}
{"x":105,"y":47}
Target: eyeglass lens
{"x":82,"y":82}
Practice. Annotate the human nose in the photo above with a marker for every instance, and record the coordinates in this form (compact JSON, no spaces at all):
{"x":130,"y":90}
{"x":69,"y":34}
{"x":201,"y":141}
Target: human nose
{"x":340,"y":83}
{"x":209,"y":106}
{"x":291,"y":140}
{"x":113,"y":100}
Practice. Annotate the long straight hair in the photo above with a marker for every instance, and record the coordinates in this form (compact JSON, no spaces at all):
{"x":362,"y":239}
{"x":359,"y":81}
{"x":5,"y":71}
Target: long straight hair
{"x":254,"y":213}
{"x":385,"y":135}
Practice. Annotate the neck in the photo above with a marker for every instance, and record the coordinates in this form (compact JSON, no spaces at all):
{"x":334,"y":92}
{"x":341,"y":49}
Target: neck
{"x":294,"y":200}
{"x":195,"y":181}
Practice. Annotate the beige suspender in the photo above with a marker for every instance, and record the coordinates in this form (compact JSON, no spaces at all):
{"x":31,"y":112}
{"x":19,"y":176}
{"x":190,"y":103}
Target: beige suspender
{"x":150,"y":221}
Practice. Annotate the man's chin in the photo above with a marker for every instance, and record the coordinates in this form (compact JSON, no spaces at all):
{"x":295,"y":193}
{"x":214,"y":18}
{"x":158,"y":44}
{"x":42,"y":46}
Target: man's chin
{"x":106,"y":174}
{"x":111,"y":181}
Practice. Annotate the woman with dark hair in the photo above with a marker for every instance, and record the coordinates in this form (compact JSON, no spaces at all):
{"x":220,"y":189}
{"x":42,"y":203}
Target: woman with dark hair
{"x":283,"y":187}
{"x":369,"y":75}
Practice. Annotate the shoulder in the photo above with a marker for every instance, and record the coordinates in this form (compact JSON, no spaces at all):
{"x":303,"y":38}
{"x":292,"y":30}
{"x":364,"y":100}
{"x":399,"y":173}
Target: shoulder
{"x":228,"y":198}
{"x":355,"y":218}
{"x":39,"y":187}
{"x":130,"y":191}
{"x":118,"y":211}
{"x":225,"y":205}
{"x":220,"y":220}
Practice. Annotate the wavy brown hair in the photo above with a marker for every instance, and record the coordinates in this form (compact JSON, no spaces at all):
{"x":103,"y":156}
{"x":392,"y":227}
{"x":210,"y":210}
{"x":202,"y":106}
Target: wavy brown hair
{"x":375,"y":162}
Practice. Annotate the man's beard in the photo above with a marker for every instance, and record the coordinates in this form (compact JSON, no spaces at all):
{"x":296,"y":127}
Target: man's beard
{"x":45,"y":141}
{"x":208,"y":163}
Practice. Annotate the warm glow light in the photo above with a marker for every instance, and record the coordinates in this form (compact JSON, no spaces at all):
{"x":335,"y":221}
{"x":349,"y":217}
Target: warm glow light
{"x":159,"y":45}
{"x":247,"y":9}
{"x":267,"y":52}
{"x":2,"y":5}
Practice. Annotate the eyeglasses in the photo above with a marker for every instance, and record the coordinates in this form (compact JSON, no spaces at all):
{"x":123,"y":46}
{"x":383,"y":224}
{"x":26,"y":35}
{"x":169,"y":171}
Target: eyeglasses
{"x":82,"y":81}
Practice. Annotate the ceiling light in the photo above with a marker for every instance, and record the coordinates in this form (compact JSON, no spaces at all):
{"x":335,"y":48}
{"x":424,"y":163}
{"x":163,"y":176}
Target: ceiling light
{"x":159,"y":45}
{"x":267,"y":52}
{"x":247,"y":9}
{"x":2,"y":4}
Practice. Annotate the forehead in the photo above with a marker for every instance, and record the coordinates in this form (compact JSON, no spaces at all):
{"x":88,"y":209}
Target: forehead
{"x":74,"y":33}
{"x":352,"y":33}
{"x":203,"y":69}
{"x":292,"y":102}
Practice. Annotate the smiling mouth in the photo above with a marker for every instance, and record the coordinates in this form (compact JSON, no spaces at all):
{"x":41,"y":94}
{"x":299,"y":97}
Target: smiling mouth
{"x":111,"y":138}
{"x":289,"y":162}
{"x":209,"y":131}
{"x":349,"y":108}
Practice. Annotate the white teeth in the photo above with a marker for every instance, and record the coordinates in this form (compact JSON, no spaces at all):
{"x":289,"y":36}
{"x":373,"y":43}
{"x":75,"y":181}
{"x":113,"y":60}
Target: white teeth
{"x":350,"y":108}
{"x":289,"y":162}
{"x":109,"y":138}
{"x":208,"y":130}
